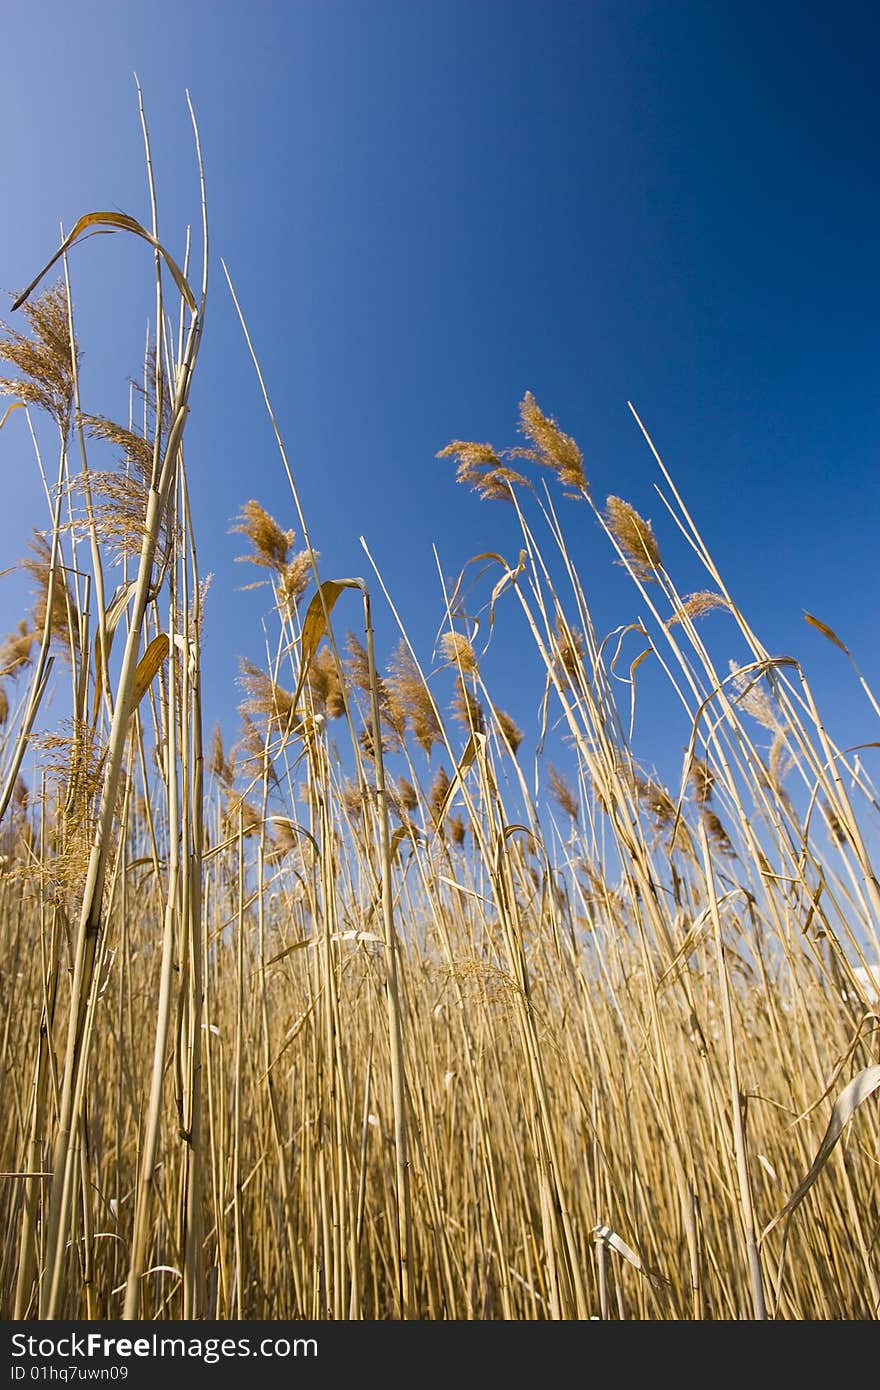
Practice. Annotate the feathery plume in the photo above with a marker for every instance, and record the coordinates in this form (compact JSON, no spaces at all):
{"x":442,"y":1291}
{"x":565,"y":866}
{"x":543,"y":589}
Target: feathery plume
{"x":702,"y":779}
{"x":325,"y":685}
{"x":657,"y":800}
{"x":407,"y":794}
{"x":458,"y":651}
{"x":271,"y":544}
{"x":467,"y":709}
{"x":552,"y":448}
{"x":412,"y":699}
{"x":240,"y":813}
{"x":437,"y":796}
{"x":716,"y":832}
{"x":512,"y":735}
{"x":562,"y":793}
{"x":283,"y":838}
{"x":217,"y":762}
{"x":695,"y":605}
{"x":755,"y":698}
{"x":43,"y":359}
{"x":836,"y":828}
{"x":293,"y":580}
{"x":15,"y":650}
{"x":568,"y":652}
{"x":779,"y":760}
{"x":481,"y":468}
{"x":357,"y":670}
{"x":635,"y":537}
{"x":264,"y":697}
{"x":64,"y":618}
{"x":457,"y":829}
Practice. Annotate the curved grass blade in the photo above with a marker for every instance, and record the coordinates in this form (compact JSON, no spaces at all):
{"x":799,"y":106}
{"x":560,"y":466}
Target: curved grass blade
{"x":846,"y":1105}
{"x":93,"y":222}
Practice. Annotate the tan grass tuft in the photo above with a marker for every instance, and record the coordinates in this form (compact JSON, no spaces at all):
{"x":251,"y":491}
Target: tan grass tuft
{"x":284,"y":837}
{"x":15,"y":650}
{"x":325,"y":685}
{"x":467,"y":709}
{"x":553,"y":449}
{"x":481,"y":468}
{"x":218,"y":765}
{"x":43,"y":359}
{"x":635,"y":537}
{"x":239,"y":813}
{"x":702,"y":779}
{"x":357,"y":671}
{"x":293,"y":580}
{"x":562,"y":793}
{"x":656,"y":800}
{"x":410,"y":699}
{"x":407,"y":794}
{"x":568,"y":645}
{"x":716,"y":832}
{"x":437,"y":796}
{"x":512,"y":735}
{"x":271,"y":545}
{"x":695,"y":605}
{"x":64,"y":618}
{"x":458,"y":651}
{"x":265,"y":698}
{"x":754,"y":697}
{"x":836,"y":828}
{"x":119,"y":500}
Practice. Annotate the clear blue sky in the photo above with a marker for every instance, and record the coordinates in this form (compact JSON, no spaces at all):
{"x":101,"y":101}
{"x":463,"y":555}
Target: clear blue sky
{"x":429,"y":208}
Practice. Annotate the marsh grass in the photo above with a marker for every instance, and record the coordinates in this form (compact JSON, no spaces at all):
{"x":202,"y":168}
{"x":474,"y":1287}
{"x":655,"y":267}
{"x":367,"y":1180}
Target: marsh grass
{"x":367,"y":1015}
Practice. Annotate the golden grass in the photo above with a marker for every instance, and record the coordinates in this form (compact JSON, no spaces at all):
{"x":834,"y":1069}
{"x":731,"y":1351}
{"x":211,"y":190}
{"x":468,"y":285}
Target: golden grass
{"x":381,"y":1013}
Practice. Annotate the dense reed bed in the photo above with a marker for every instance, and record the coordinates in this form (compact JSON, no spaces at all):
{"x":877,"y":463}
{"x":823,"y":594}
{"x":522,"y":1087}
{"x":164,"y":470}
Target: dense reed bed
{"x":357,"y":1012}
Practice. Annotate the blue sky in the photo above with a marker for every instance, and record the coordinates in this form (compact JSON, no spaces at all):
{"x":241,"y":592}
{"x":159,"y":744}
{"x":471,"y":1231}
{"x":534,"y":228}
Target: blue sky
{"x":429,"y":208}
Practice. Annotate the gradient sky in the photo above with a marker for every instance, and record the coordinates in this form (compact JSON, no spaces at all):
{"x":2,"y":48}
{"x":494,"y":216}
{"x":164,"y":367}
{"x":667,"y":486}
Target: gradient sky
{"x":429,"y":208}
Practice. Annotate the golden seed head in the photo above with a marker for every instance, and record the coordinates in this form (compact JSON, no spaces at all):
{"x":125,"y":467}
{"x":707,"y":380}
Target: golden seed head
{"x":716,"y":832}
{"x":264,"y":697}
{"x":325,"y":685}
{"x":835,"y":825}
{"x":44,"y":359}
{"x":437,"y":796}
{"x":754,"y":697}
{"x":512,"y":735}
{"x":467,"y":709}
{"x":635,"y":537}
{"x":240,"y":815}
{"x":656,"y":799}
{"x":482,"y":469}
{"x":15,"y":650}
{"x":293,"y":580}
{"x":568,"y":650}
{"x":64,"y":617}
{"x":458,"y":651}
{"x":217,"y":761}
{"x":702,"y":779}
{"x":695,"y":605}
{"x":410,"y":700}
{"x":562,"y":793}
{"x":457,"y":830}
{"x":552,"y":448}
{"x":407,"y":794}
{"x":271,"y":544}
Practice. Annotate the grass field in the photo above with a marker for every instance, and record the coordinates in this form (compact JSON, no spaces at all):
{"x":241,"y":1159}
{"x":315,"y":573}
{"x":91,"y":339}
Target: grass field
{"x":351,"y":1012}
